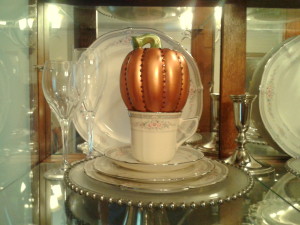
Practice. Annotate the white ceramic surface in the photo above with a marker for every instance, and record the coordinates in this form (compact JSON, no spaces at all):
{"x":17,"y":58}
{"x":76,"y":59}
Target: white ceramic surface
{"x":154,"y":135}
{"x":184,"y":157}
{"x":217,"y":175}
{"x":279,"y":97}
{"x":112,"y":126}
{"x":109,"y":168}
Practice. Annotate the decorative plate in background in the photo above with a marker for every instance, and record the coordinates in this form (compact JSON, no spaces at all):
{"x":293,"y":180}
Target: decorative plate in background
{"x":112,"y":127}
{"x":279,"y":97}
{"x":254,"y":86}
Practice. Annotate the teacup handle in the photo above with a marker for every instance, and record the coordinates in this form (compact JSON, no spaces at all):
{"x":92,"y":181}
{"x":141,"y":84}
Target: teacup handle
{"x":183,"y":136}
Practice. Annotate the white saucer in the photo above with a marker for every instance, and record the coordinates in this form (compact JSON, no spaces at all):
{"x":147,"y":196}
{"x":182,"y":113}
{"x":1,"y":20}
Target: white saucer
{"x":184,"y":157}
{"x":200,"y":168}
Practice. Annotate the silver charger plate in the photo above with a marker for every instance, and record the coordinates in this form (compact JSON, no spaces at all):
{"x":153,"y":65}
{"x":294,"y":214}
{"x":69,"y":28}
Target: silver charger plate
{"x":105,"y":166}
{"x":293,"y":166}
{"x":184,"y":157}
{"x":236,"y":184}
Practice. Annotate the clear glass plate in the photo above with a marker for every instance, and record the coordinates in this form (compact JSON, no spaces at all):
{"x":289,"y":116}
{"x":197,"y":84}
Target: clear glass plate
{"x":274,"y":211}
{"x":112,"y":127}
{"x":184,"y":157}
{"x":105,"y":166}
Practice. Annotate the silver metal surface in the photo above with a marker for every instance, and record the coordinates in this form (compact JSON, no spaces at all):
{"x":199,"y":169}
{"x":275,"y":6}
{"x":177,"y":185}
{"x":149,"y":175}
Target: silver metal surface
{"x":237,"y":184}
{"x":213,"y":144}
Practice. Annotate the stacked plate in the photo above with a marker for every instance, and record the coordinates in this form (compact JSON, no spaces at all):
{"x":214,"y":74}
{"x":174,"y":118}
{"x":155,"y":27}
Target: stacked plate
{"x":189,"y":169}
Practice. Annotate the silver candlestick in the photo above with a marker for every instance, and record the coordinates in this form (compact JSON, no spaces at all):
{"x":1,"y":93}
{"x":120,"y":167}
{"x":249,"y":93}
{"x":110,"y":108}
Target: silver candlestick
{"x":212,"y":145}
{"x":242,"y":105}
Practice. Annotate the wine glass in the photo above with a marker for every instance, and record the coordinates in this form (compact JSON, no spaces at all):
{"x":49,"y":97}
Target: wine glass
{"x":62,"y":88}
{"x":90,"y":64}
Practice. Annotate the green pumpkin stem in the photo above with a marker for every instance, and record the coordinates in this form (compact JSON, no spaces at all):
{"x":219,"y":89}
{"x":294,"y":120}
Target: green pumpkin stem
{"x":140,"y":41}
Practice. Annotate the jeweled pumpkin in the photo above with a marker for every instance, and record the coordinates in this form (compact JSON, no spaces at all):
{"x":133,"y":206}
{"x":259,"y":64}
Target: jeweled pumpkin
{"x":154,"y":79}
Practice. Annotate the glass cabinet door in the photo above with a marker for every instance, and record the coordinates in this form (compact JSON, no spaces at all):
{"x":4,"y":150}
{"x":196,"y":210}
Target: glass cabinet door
{"x":32,"y":32}
{"x":19,"y":140}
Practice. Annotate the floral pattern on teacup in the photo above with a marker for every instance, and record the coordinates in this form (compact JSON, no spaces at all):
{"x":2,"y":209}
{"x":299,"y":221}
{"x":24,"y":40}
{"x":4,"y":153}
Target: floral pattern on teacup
{"x":154,"y":124}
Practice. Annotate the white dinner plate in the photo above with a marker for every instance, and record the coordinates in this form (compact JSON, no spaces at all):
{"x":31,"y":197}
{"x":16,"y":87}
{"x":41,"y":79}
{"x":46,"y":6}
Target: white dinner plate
{"x":106,"y":166}
{"x":218,"y":174}
{"x":279,"y":97}
{"x":112,"y":127}
{"x":263,"y":136}
{"x":184,"y":157}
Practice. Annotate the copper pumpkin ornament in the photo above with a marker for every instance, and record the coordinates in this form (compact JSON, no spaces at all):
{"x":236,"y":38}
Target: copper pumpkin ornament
{"x":154,"y":79}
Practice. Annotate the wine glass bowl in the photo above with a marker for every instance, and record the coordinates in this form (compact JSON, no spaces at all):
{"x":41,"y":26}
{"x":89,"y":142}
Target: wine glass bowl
{"x":62,"y":88}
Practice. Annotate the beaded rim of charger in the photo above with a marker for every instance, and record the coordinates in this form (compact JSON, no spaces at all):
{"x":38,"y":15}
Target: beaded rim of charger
{"x":171,"y":205}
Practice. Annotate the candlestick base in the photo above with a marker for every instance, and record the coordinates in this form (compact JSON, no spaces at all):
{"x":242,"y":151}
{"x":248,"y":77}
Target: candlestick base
{"x":212,"y":144}
{"x":245,"y":160}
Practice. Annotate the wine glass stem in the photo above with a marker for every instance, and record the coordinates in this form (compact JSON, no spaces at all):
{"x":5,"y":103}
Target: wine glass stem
{"x":65,"y":126}
{"x":90,"y":120}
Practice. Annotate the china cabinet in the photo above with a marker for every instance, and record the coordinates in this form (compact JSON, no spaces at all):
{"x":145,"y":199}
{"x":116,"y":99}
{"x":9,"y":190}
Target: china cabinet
{"x":230,"y":43}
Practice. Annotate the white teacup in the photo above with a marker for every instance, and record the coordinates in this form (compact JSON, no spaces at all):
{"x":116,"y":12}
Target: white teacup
{"x":154,"y":135}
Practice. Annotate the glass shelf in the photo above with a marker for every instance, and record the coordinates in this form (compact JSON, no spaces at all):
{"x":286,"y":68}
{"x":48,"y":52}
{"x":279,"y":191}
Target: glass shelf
{"x":39,"y":201}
